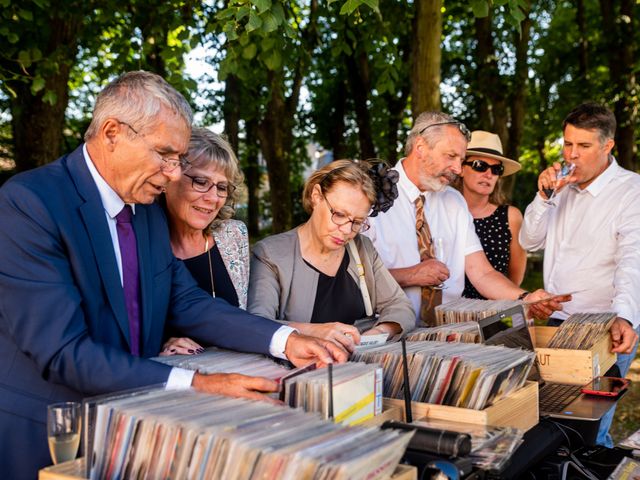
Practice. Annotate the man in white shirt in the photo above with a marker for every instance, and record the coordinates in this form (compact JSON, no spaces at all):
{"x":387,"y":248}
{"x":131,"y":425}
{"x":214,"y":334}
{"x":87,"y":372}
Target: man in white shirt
{"x":589,"y":229}
{"x":435,"y":150}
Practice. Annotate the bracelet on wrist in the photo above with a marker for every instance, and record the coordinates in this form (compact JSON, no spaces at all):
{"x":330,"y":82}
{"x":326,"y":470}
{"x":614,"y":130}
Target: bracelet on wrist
{"x":523,"y":294}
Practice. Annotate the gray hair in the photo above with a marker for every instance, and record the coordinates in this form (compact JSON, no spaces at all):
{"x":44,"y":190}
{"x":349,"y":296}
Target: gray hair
{"x":210,"y":149}
{"x":136,"y":98}
{"x":432,"y":135}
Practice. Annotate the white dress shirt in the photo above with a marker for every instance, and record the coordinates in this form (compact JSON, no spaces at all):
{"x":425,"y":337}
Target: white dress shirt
{"x":394,"y":234}
{"x":591,"y":242}
{"x":178,"y":377}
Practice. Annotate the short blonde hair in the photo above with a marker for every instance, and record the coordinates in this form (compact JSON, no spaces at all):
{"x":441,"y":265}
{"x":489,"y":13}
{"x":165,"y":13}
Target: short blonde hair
{"x":348,"y":171}
{"x":207,"y":148}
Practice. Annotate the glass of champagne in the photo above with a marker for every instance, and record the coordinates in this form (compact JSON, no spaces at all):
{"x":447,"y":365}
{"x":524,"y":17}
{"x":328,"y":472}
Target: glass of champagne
{"x":439,"y":253}
{"x":63,"y":430}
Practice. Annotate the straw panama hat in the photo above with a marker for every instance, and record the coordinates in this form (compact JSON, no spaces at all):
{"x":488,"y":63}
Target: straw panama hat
{"x":488,"y":145}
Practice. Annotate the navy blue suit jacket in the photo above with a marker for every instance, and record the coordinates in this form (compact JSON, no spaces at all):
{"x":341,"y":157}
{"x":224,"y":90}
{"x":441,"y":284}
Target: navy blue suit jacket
{"x":64,"y":330}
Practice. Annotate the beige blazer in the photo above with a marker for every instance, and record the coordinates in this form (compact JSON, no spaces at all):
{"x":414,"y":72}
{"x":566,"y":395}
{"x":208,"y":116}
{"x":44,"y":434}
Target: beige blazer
{"x":283,"y":287}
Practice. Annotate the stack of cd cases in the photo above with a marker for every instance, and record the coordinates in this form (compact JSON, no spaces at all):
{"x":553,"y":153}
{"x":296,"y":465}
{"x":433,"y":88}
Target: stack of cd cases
{"x":182,"y":434}
{"x":466,"y":375}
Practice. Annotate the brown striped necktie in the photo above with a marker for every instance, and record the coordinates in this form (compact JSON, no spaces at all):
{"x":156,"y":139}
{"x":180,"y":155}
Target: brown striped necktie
{"x":430,"y":297}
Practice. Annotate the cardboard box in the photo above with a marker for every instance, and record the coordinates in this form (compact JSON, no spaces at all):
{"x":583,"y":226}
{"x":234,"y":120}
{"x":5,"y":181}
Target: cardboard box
{"x":520,"y":410}
{"x":575,"y":367}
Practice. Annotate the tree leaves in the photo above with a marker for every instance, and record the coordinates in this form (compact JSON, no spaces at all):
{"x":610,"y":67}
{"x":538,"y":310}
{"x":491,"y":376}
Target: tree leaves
{"x":37,"y":84}
{"x":350,"y":6}
{"x":480,"y":8}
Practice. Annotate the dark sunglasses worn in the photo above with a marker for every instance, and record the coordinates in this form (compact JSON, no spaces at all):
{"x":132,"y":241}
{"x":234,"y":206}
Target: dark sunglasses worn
{"x":482,"y":166}
{"x":461,"y":126}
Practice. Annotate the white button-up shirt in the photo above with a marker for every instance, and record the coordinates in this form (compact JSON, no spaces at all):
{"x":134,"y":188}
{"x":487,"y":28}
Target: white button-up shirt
{"x":394,"y":234}
{"x":178,"y":377}
{"x":591,"y":242}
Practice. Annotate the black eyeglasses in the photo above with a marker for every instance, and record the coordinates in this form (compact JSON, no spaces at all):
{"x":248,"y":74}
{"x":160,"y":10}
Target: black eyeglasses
{"x":482,"y":166}
{"x":341,"y":219}
{"x":461,"y":126}
{"x":203,"y":185}
{"x":170,"y":164}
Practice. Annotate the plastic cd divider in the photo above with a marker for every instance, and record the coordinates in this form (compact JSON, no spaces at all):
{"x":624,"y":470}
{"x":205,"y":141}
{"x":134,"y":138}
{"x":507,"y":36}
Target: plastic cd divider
{"x":407,"y":388}
{"x":330,"y":373}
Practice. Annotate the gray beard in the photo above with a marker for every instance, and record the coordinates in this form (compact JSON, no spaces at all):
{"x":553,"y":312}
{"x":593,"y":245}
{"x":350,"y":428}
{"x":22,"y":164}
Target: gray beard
{"x":434,"y":184}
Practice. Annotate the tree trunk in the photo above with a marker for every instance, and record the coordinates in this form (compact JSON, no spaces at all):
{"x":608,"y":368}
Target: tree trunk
{"x":518,"y":101}
{"x":621,"y":56}
{"x":426,"y":58}
{"x":626,"y":107}
{"x":358,"y":74}
{"x":37,"y":125}
{"x":519,"y":92}
{"x":484,"y":69}
{"x":231,"y":111}
{"x":252,"y":175}
{"x":274,"y":132}
{"x":337,"y":125}
{"x":250,"y":168}
{"x":583,"y":42}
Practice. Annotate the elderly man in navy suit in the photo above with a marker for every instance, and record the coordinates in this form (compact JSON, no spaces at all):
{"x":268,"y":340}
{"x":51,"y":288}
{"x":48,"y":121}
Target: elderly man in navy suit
{"x":88,"y":282}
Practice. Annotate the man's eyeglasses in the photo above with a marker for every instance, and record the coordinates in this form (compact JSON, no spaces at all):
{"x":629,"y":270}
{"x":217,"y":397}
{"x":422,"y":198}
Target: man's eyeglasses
{"x":170,"y":164}
{"x":341,"y":219}
{"x":461,"y":126}
{"x":203,"y":185}
{"x":482,"y":166}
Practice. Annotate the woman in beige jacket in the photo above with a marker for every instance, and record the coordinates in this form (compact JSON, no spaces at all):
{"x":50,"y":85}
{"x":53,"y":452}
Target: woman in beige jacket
{"x":322,"y":276}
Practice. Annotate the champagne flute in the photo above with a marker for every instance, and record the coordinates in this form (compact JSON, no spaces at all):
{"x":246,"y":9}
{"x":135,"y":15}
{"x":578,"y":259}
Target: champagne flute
{"x":63,"y":430}
{"x":439,"y":254}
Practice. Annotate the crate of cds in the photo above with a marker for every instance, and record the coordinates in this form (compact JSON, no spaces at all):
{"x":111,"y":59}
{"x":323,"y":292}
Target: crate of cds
{"x":576,"y":351}
{"x":465,"y":382}
{"x":356,"y":396}
{"x":182,"y":434}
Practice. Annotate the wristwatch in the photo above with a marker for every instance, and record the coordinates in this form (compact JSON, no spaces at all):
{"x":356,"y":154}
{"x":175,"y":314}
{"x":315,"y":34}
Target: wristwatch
{"x":523,"y":294}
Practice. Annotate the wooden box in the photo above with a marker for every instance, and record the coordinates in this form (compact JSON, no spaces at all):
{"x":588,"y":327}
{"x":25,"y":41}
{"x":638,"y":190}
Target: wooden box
{"x":575,"y":367}
{"x":389,"y":412}
{"x":74,"y":470}
{"x":520,"y":410}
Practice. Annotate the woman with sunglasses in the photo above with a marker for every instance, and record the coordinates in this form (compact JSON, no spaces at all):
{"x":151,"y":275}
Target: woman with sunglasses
{"x":323,"y":276}
{"x":497,"y":224}
{"x":213,"y":246}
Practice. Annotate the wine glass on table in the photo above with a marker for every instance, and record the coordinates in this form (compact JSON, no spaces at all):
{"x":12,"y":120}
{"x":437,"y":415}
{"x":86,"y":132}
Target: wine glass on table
{"x":439,"y":254}
{"x":63,"y":430}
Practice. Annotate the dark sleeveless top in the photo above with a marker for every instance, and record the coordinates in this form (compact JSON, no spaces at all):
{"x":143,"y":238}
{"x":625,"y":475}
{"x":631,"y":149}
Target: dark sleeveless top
{"x":199,"y":268}
{"x":495,"y":238}
{"x":338,"y":299}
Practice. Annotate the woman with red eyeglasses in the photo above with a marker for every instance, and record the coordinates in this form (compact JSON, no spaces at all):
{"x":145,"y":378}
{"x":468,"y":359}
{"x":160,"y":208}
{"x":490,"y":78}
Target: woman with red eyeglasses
{"x":497,"y":224}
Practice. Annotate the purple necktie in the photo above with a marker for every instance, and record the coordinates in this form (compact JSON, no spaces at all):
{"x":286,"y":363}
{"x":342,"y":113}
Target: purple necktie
{"x":130,"y":276}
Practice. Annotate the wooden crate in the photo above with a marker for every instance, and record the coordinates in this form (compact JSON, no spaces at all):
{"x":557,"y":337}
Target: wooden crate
{"x":575,"y":367}
{"x":389,"y":412}
{"x":74,"y":470}
{"x":405,"y":472}
{"x":520,"y":410}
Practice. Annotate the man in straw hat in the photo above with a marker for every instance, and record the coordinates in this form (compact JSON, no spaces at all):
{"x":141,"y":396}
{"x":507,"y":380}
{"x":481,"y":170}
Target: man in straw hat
{"x":588,"y":224}
{"x":445,"y":245}
{"x":497,"y":224}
